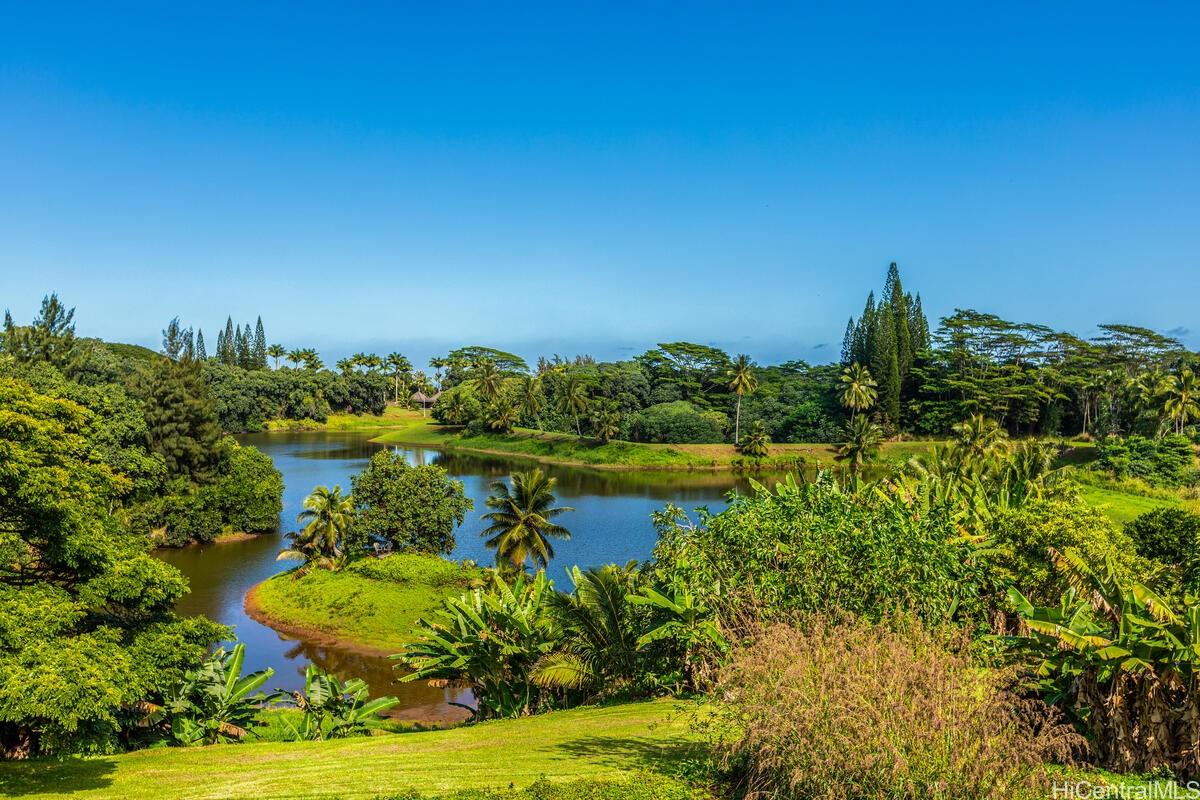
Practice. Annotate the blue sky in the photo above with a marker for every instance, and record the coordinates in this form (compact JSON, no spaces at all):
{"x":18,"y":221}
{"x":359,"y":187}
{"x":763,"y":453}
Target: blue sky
{"x":597,"y":178}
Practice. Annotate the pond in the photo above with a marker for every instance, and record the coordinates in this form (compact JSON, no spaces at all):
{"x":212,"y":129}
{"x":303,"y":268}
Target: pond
{"x":611,"y":523}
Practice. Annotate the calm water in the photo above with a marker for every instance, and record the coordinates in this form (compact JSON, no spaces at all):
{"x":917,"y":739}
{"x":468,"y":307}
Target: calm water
{"x":611,"y":523}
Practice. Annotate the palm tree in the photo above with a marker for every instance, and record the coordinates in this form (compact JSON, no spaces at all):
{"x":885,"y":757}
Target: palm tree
{"x":326,"y":516}
{"x":311,"y":360}
{"x":573,"y":399}
{"x":501,"y":416}
{"x":345,"y":365}
{"x":858,"y":389}
{"x":295,"y":356}
{"x":532,"y":399}
{"x":489,"y":381}
{"x":599,"y":628}
{"x":1181,"y":398}
{"x":606,"y":422}
{"x":757,"y":443}
{"x":456,"y":411}
{"x":979,"y":438}
{"x":741,"y":382}
{"x":399,"y":366}
{"x":437,"y":365}
{"x":521,"y":522}
{"x":276,"y":352}
{"x":863,"y":438}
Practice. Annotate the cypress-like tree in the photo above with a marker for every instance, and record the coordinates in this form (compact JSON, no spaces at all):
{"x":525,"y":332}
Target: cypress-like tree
{"x":229,"y":354}
{"x":245,"y":344}
{"x":259,"y":351}
{"x":848,"y":344}
{"x":201,"y":353}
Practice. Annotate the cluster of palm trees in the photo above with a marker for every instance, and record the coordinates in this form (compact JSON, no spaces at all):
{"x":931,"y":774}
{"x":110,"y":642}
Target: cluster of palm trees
{"x":863,"y":436}
{"x":1180,"y":398}
{"x":522,"y":523}
{"x":305,"y":357}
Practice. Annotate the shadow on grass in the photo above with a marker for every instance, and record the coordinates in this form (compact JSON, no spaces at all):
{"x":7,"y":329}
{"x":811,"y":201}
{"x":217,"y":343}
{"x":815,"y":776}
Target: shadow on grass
{"x":632,"y":752}
{"x":44,"y":776}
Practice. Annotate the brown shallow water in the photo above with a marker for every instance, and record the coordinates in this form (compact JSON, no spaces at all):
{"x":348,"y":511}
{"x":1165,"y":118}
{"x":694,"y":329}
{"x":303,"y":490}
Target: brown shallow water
{"x":611,"y":523}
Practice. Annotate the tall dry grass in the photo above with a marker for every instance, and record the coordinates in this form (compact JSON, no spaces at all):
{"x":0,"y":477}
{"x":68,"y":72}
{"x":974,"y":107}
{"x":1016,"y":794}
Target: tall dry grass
{"x":850,"y":710}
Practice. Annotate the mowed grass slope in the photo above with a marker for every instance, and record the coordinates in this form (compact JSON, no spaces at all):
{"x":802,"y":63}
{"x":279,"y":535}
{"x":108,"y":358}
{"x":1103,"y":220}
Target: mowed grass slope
{"x":607,"y":742}
{"x":374,"y":603}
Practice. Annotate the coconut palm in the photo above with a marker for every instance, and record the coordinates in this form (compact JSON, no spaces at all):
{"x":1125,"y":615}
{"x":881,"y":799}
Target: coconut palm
{"x":326,"y":516}
{"x":437,"y":365}
{"x":1181,"y":398}
{"x":757,"y":443}
{"x":606,"y":422}
{"x":501,"y":416}
{"x":859,"y":389}
{"x":521,"y":522}
{"x":489,"y":380}
{"x":295,"y":357}
{"x":345,"y":365}
{"x":741,"y":382}
{"x":573,"y":399}
{"x":276,"y":352}
{"x":979,"y":438}
{"x":311,"y":360}
{"x":399,"y":367}
{"x":456,"y":410}
{"x":531,"y":397}
{"x":863,"y":439}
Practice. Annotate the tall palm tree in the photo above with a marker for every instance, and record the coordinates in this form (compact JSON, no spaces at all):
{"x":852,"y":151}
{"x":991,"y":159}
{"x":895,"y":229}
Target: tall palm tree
{"x":531,"y":397}
{"x":863,"y":439}
{"x":859,"y":389}
{"x":399,"y":366}
{"x":326,"y":517}
{"x":295,"y":356}
{"x":1181,"y":398}
{"x":489,"y":381}
{"x":573,"y":399}
{"x":521,"y":521}
{"x":311,"y":360}
{"x":437,"y":365}
{"x":276,"y":352}
{"x":345,"y":365}
{"x":741,"y":382}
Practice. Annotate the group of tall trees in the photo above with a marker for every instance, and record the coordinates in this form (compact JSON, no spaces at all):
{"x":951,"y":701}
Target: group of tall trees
{"x":887,"y":339}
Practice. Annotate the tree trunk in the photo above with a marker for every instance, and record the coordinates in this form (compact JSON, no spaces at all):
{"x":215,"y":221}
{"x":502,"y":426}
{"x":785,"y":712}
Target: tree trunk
{"x":737,"y":421}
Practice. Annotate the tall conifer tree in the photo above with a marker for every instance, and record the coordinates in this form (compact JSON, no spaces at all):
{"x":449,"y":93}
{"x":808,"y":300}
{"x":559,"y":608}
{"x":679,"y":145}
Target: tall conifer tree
{"x":259,"y":351}
{"x":201,"y":353}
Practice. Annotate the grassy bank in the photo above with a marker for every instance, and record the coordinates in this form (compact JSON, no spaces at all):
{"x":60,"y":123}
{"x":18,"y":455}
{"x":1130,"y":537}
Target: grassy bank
{"x":372,"y":605}
{"x":406,"y":427}
{"x":604,"y":743}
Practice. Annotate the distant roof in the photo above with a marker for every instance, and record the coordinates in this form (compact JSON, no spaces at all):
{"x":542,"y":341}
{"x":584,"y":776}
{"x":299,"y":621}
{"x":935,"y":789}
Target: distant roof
{"x":421,"y":397}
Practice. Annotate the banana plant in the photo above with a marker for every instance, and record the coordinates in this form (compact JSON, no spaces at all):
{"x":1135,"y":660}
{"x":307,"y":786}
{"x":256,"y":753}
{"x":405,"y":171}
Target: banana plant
{"x":1123,"y":662}
{"x":487,"y":640}
{"x":686,"y":620}
{"x":333,"y":709}
{"x":215,"y":702}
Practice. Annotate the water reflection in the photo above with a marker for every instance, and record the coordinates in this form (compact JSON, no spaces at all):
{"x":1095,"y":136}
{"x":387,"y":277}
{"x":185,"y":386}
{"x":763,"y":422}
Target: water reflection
{"x":611,"y":523}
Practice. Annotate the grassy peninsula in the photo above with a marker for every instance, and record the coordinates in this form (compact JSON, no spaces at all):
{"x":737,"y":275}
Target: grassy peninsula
{"x":373,"y":604}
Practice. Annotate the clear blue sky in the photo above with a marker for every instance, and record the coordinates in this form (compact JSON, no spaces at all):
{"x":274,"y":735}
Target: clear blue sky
{"x":569,"y":178}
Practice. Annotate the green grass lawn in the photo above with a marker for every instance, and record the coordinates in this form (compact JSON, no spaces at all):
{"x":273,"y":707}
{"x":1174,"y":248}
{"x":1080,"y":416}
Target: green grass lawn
{"x":608,"y":742}
{"x":373,"y":602}
{"x":1122,"y":506}
{"x":403,"y":426}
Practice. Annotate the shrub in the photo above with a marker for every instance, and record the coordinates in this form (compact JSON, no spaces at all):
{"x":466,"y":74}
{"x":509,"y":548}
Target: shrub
{"x":1025,"y":536}
{"x":678,"y":422}
{"x":815,"y":546}
{"x":839,"y":710}
{"x":1165,"y":461}
{"x":1172,"y":536}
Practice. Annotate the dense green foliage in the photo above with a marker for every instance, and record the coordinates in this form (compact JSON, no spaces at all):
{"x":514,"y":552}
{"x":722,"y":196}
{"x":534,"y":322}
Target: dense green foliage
{"x":410,"y":508}
{"x":1123,"y":661}
{"x":334,"y":709}
{"x":1165,"y":461}
{"x":809,"y":547}
{"x":1172,"y":537}
{"x":86,"y":623}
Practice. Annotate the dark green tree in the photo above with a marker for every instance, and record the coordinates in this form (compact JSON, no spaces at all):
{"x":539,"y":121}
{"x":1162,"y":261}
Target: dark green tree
{"x":201,"y":353}
{"x":413,"y":508}
{"x":50,"y":338}
{"x":181,"y":419}
{"x":258,"y":352}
